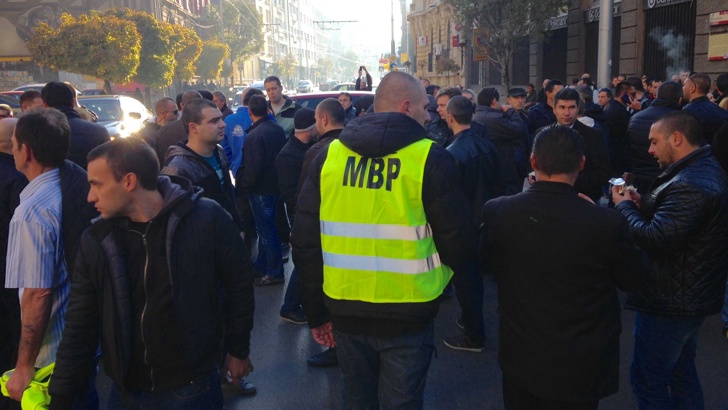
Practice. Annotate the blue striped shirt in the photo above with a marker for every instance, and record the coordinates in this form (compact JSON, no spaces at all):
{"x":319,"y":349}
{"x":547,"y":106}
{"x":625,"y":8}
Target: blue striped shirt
{"x":35,"y":254}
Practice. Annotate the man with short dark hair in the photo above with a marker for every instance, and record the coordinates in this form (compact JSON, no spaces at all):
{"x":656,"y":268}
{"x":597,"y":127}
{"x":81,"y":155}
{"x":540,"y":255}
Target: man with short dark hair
{"x":542,"y":114}
{"x":437,"y":129}
{"x":42,"y":242}
{"x":218,"y":97}
{"x":477,"y":160}
{"x":30,"y":99}
{"x":85,"y":135}
{"x":376,"y":303}
{"x":162,"y":281}
{"x":517,"y":98}
{"x":557,"y":285}
{"x":258,"y":176}
{"x":603,"y":97}
{"x":174,"y":131}
{"x":695,"y":91}
{"x":349,"y":110}
{"x":595,"y":172}
{"x":644,"y":166}
{"x":165,"y":111}
{"x":509,"y":135}
{"x":616,"y":118}
{"x":282,"y":107}
{"x":721,"y":88}
{"x":682,"y":226}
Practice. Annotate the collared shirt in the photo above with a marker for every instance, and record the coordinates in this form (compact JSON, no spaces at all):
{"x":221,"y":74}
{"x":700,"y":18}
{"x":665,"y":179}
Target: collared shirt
{"x":35,"y":254}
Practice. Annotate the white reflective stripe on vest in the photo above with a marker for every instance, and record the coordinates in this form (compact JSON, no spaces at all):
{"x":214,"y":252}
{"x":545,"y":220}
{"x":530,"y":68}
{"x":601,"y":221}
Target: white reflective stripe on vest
{"x":381,"y":264}
{"x":372,"y":231}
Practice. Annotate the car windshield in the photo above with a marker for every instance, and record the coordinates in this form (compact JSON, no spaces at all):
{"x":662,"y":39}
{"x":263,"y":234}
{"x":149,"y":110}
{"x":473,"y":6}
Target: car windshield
{"x":106,"y":109}
{"x":303,"y":83}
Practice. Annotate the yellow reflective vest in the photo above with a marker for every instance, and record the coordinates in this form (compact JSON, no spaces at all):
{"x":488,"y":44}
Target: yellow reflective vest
{"x":377,"y":245}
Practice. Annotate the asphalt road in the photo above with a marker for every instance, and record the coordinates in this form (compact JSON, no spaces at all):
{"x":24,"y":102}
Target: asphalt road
{"x":456,"y":380}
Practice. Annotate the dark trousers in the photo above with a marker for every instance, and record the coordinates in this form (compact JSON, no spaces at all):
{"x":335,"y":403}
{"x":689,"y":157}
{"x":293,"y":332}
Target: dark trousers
{"x":469,"y":291}
{"x":517,"y":398}
{"x":246,"y":219}
{"x":10,"y":336}
{"x":203,"y":394}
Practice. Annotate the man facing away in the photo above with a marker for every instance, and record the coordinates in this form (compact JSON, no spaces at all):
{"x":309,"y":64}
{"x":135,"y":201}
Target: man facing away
{"x":30,"y":99}
{"x":477,"y":160}
{"x":43,"y":240}
{"x":162,"y":281}
{"x":682,"y":225}
{"x":557,"y":286}
{"x":379,"y":219}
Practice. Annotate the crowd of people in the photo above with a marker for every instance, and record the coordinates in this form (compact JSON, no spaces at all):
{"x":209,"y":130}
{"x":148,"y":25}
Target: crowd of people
{"x":138,"y":252}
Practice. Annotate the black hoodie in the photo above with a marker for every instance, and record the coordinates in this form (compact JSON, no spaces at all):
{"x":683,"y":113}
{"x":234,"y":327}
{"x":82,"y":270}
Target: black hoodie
{"x":446,"y":208}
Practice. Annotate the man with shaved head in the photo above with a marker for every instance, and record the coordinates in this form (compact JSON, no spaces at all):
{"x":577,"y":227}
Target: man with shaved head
{"x":380,"y":221}
{"x":11,"y":183}
{"x":174,"y":132}
{"x":695,"y":90}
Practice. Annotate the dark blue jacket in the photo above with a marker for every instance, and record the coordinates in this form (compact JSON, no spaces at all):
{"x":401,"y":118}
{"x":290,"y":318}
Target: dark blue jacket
{"x":11,"y":183}
{"x":644,"y":165}
{"x":539,"y":116}
{"x":710,"y":115}
{"x":683,"y":227}
{"x":263,"y":141}
{"x":85,"y":136}
{"x":616,"y":118}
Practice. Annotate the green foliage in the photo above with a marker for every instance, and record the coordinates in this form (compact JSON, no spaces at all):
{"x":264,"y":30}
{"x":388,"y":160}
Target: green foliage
{"x":214,"y":53}
{"x":284,"y":66}
{"x":156,"y":61}
{"x":102,"y":46}
{"x":187,"y":49}
{"x":242,"y":27}
{"x":446,"y":65}
{"x":326,"y":65}
{"x":507,"y":23}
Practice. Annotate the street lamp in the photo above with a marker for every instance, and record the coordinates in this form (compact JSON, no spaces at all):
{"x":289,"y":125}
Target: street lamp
{"x":462,"y":45}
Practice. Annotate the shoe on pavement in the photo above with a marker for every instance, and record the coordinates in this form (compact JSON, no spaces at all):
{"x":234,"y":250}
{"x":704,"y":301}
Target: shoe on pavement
{"x":295,"y":316}
{"x":268,"y":280}
{"x":464,"y":344}
{"x":327,"y":358}
{"x":241,"y":388}
{"x":459,"y":322}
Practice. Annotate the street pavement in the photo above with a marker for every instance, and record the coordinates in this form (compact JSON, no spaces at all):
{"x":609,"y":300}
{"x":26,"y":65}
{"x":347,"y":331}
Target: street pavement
{"x":456,"y":380}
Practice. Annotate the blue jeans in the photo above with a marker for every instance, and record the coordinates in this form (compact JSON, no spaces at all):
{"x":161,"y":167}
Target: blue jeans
{"x":663,"y":374}
{"x":725,"y":308}
{"x":200,"y":395}
{"x":292,"y":299}
{"x":269,"y":258}
{"x":386,"y":371}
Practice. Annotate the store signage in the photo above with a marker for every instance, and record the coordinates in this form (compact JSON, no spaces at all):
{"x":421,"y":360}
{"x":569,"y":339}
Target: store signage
{"x":558,"y":22}
{"x":719,"y":18}
{"x":651,"y":4}
{"x":592,"y":15}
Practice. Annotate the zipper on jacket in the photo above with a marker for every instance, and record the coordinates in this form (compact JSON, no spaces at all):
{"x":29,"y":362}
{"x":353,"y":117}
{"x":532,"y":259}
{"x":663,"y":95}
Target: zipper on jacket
{"x":144,"y":309}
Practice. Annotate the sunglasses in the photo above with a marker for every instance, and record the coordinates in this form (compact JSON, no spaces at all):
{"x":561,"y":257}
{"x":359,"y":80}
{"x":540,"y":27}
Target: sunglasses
{"x":176,"y":112}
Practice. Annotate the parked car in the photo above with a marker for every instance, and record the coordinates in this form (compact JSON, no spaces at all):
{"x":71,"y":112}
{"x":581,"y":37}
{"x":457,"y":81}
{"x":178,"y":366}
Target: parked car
{"x":13,"y":102}
{"x":38,"y":87}
{"x":327,"y":85}
{"x":121,"y":115}
{"x":311,"y":100}
{"x":94,"y":92}
{"x":348,"y":87}
{"x":304,"y":86}
{"x":14,"y":94}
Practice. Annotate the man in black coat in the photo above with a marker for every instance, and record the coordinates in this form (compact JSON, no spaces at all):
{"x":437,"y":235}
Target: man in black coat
{"x":644,"y":166}
{"x":542,"y":114}
{"x":682,"y":225}
{"x":712,"y":117}
{"x":288,"y":165}
{"x":477,"y":160}
{"x":258,"y":176}
{"x":595,"y":173}
{"x":174,"y":131}
{"x":557,"y":286}
{"x":509,"y":135}
{"x":616,"y":118}
{"x":85,"y":135}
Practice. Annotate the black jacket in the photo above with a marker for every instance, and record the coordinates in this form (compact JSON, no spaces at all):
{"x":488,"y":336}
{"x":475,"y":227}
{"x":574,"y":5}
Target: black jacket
{"x":377,"y":135}
{"x":595,"y":174}
{"x":148,"y":133}
{"x":438,"y":131}
{"x":171,"y":134}
{"x":539,"y":116}
{"x":204,"y":251}
{"x":357,"y":83}
{"x":709,"y":114}
{"x":644,"y":165}
{"x":182,"y":161}
{"x":85,"y":136}
{"x":320,"y":145}
{"x":263,"y":141}
{"x":479,"y":166}
{"x":289,"y":163}
{"x":509,"y":135}
{"x":12,"y":183}
{"x":349,"y":114}
{"x":616,"y":118}
{"x":683,"y":227}
{"x":76,"y":212}
{"x":557,"y":290}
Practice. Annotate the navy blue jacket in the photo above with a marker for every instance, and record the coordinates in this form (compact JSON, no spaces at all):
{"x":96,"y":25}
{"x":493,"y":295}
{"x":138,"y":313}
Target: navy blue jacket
{"x":263,"y":141}
{"x":539,"y":116}
{"x":710,"y":115}
{"x":85,"y":136}
{"x":644,"y":165}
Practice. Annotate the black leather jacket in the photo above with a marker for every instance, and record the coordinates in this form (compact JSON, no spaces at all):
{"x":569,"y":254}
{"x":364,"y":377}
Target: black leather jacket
{"x":204,"y":253}
{"x":683,"y":227}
